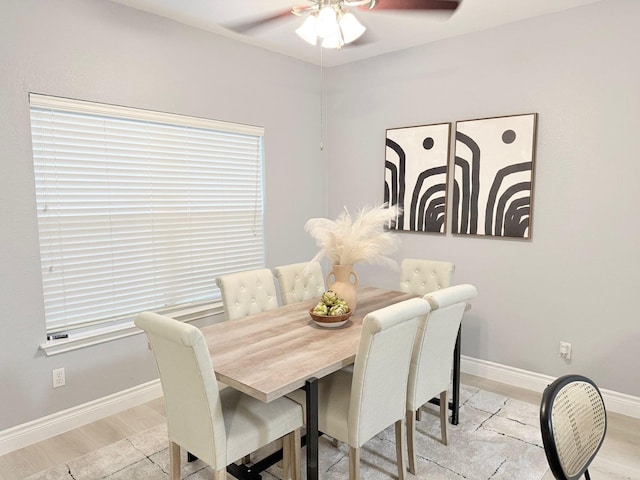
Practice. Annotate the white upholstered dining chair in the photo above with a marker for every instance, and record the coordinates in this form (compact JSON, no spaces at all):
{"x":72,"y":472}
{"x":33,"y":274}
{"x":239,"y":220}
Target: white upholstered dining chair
{"x":431,"y":361}
{"x":248,"y":292}
{"x":421,"y":276}
{"x":217,"y":426}
{"x":245,"y":293}
{"x":300,"y":281}
{"x":354,"y":406}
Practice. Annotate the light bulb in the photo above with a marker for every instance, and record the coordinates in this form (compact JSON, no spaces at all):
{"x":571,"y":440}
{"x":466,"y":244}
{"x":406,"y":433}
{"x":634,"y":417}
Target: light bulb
{"x":333,"y":41}
{"x":327,"y":22}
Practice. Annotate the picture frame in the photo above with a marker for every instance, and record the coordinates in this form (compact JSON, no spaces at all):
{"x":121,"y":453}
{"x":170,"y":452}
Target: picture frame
{"x":416,"y":176}
{"x":493,"y":175}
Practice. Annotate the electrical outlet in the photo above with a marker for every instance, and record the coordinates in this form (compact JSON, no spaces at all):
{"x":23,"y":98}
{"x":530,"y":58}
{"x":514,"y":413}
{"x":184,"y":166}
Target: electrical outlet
{"x":565,"y":350}
{"x":58,"y":378}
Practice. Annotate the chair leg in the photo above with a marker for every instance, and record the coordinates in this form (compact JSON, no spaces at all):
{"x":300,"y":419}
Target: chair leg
{"x":401,"y":436}
{"x":586,"y":475}
{"x":296,"y":453}
{"x":411,"y":438}
{"x":444,"y":408}
{"x":174,"y":461}
{"x":286,"y":456}
{"x":246,"y":460}
{"x":354,"y":463}
{"x":291,"y":455}
{"x":335,"y":442}
{"x":220,"y":474}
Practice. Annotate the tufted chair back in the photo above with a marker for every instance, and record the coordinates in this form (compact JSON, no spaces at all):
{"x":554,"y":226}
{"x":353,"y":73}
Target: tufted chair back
{"x":300,"y":281}
{"x":246,"y":293}
{"x":421,"y":276}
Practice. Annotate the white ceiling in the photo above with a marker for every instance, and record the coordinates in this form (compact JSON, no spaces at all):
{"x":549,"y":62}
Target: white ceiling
{"x":386,"y":31}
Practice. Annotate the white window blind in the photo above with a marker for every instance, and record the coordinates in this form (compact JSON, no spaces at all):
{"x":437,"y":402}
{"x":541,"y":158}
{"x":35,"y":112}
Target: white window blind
{"x":140,"y":210}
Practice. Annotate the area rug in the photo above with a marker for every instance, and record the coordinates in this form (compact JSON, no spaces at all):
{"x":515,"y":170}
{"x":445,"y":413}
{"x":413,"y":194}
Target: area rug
{"x":498,"y":438}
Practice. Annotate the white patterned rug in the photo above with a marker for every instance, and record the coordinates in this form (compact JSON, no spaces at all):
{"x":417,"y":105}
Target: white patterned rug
{"x":498,"y":438}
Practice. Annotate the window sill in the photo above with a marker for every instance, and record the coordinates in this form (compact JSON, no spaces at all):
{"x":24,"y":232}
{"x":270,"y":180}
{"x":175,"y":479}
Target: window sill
{"x":99,"y":335}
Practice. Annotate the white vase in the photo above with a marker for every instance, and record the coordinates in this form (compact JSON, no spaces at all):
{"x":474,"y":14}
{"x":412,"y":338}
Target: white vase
{"x":345,"y":283}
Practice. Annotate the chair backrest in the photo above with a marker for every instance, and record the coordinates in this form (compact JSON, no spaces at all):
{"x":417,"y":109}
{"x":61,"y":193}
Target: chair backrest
{"x":379,"y":385}
{"x":420,"y":276}
{"x":300,"y":281}
{"x":432,"y":357}
{"x":191,"y":395}
{"x":248,"y":292}
{"x":573,"y":421}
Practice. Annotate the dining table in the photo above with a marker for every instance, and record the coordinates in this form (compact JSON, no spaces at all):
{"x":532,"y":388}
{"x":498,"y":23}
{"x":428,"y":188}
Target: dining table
{"x":270,"y":354}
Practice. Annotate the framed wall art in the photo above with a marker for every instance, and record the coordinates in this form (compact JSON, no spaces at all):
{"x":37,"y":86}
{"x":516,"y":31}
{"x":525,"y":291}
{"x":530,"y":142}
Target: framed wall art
{"x":415,"y":179}
{"x":493,"y":176}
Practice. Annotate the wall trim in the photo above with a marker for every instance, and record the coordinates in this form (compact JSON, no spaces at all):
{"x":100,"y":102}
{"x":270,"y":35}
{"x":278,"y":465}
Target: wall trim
{"x":28,"y":433}
{"x":537,"y":382}
{"x":40,"y":429}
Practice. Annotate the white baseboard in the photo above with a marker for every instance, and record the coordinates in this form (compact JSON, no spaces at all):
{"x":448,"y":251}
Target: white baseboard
{"x":614,"y":401}
{"x":23,"y":435}
{"x":26,"y":434}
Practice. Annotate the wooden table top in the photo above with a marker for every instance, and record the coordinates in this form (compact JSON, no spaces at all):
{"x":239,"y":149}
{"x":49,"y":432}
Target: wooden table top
{"x":272,"y":353}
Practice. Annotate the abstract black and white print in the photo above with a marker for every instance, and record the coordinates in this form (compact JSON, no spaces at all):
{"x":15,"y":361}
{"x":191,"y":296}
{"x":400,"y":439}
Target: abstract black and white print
{"x":493,"y":176}
{"x":415,"y":176}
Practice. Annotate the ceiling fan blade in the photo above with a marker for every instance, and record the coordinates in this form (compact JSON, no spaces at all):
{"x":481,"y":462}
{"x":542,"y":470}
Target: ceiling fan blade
{"x":417,"y":4}
{"x":245,"y":27}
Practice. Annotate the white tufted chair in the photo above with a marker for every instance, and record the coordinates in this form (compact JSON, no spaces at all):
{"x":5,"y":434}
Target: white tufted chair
{"x":300,"y":281}
{"x":354,"y":406}
{"x":420,"y":276}
{"x":430,"y":371}
{"x":218,"y":426}
{"x":246,"y":293}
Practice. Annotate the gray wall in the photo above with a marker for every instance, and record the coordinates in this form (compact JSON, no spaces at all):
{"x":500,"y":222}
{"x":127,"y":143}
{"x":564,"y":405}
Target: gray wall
{"x":105,"y":52}
{"x":577,"y":279}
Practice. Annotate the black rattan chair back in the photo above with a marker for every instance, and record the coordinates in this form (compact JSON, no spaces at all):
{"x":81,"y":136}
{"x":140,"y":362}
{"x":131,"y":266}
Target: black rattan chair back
{"x":573,"y":421}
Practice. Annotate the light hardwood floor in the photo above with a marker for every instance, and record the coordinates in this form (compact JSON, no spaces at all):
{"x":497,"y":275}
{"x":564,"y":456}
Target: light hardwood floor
{"x":40,"y":456}
{"x":618,"y":459}
{"x":619,"y":456}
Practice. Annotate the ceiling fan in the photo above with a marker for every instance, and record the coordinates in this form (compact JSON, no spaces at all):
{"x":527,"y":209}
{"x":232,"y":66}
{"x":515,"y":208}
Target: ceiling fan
{"x":332,"y":25}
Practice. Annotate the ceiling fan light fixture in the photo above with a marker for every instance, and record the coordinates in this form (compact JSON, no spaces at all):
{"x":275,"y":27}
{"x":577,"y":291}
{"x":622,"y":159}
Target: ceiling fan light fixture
{"x":332,"y":25}
{"x":327,"y":22}
{"x":307,"y":31}
{"x":334,"y":41}
{"x":351,"y":28}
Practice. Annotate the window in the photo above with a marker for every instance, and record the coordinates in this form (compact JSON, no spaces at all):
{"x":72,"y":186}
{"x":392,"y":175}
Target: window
{"x":141,"y":210}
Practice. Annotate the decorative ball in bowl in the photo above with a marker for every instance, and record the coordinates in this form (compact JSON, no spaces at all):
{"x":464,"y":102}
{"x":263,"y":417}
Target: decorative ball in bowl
{"x":330,"y":321}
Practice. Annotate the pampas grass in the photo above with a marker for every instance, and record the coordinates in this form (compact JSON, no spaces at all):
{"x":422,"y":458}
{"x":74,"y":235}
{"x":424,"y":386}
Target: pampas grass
{"x":354,"y":239}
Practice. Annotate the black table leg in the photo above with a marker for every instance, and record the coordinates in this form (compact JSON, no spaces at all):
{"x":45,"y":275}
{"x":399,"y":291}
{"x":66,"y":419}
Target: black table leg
{"x":311,"y":387}
{"x":454,"y":404}
{"x":455,"y":408}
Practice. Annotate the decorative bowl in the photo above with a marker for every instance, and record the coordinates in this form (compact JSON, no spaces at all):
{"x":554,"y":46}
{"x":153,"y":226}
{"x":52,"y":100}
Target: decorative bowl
{"x":330,"y":321}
